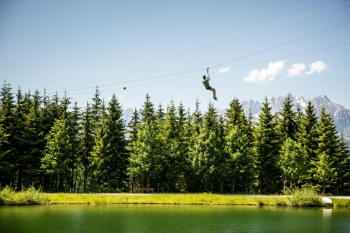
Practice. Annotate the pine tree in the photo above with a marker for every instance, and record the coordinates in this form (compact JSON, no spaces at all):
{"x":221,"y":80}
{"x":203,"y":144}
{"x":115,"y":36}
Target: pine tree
{"x":35,"y":137}
{"x":288,"y":120}
{"x":342,"y":168}
{"x":96,"y":108}
{"x":169,"y":136}
{"x":131,"y":136}
{"x":20,"y":145}
{"x":57,"y":159}
{"x":4,"y":165}
{"x":109,"y":153}
{"x":241,"y":161}
{"x":293,"y":163}
{"x":74,"y":129}
{"x":324,"y":172}
{"x":267,"y":150}
{"x":326,"y":162}
{"x":87,"y":143}
{"x":145,"y":160}
{"x":132,"y":126}
{"x":308,"y":137}
{"x":183,"y":164}
{"x":207,"y":152}
{"x":194,"y":122}
{"x":7,"y":124}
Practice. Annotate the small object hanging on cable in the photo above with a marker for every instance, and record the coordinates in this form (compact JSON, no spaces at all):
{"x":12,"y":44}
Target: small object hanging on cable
{"x":207,"y":86}
{"x":124,"y":88}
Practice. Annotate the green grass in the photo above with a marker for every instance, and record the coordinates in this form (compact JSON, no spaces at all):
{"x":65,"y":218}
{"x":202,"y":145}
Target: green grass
{"x":304,"y":197}
{"x":295,"y":198}
{"x":170,"y":199}
{"x":30,"y":196}
{"x":340,"y":202}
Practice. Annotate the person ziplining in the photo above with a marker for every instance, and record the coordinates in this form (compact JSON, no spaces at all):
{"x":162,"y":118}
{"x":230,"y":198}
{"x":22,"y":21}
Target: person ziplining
{"x":206,"y":79}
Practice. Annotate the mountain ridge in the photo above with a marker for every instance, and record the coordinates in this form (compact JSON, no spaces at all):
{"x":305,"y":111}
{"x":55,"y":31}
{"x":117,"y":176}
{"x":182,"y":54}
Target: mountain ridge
{"x":340,"y":114}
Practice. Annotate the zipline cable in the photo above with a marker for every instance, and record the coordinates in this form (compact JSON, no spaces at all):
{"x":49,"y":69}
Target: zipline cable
{"x":335,"y":27}
{"x":280,"y":58}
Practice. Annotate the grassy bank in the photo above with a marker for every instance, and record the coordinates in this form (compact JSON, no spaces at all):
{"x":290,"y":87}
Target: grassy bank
{"x":30,"y":196}
{"x":340,"y":202}
{"x":171,"y":199}
{"x":298,"y":198}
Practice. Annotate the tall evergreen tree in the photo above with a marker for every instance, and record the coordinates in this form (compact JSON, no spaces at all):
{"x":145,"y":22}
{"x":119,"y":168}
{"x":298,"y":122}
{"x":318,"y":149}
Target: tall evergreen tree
{"x":145,"y":160}
{"x":241,"y":161}
{"x":20,"y":146}
{"x":168,"y":135}
{"x":267,"y":150}
{"x":7,"y":124}
{"x":57,"y":160}
{"x":293,"y":163}
{"x":96,"y":108}
{"x":288,"y":120}
{"x":342,"y":168}
{"x":109,"y":153}
{"x":183,"y":164}
{"x":132,"y":126}
{"x":327,"y":156}
{"x":87,"y":143}
{"x":74,"y":129}
{"x":207,"y":152}
{"x":308,"y":137}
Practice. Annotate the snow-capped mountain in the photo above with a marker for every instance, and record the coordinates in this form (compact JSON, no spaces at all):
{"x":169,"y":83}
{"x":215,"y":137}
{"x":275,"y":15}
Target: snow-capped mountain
{"x":340,"y":114}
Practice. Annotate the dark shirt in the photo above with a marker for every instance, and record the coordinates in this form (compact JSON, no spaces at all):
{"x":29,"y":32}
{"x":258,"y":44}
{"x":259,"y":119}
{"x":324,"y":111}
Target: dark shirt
{"x":206,"y":84}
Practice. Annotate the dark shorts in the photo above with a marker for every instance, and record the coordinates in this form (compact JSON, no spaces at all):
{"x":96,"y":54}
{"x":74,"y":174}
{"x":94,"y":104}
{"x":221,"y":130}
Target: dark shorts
{"x":209,"y":88}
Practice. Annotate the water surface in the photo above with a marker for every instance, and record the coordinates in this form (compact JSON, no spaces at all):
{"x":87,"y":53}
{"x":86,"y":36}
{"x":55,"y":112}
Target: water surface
{"x":168,"y":219}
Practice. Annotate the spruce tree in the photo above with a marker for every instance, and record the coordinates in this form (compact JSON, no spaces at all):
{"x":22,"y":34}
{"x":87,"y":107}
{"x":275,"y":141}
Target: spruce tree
{"x":207,"y":153}
{"x":87,"y":143}
{"x":308,"y":137}
{"x":132,"y":126}
{"x":96,"y":108}
{"x":241,"y":161}
{"x":58,"y":153}
{"x":145,"y":160}
{"x":194,"y":122}
{"x":20,"y":146}
{"x":267,"y":150}
{"x":7,"y":124}
{"x":327,"y":154}
{"x":169,"y":136}
{"x":343,"y":168}
{"x":74,"y":129}
{"x":288,"y":120}
{"x":183,"y":164}
{"x":293,"y":163}
{"x":110,"y":156}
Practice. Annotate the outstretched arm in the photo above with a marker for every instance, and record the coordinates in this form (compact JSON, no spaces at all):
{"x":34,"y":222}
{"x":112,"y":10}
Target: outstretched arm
{"x":208,"y":77}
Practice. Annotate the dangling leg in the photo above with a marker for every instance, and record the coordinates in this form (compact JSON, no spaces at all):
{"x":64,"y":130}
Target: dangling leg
{"x":214,"y":94}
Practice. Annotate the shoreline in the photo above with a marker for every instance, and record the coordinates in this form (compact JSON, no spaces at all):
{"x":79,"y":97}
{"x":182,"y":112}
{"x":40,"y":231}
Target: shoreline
{"x":175,"y":199}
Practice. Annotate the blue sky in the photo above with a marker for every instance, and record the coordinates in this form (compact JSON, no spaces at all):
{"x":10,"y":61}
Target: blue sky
{"x":58,"y":45}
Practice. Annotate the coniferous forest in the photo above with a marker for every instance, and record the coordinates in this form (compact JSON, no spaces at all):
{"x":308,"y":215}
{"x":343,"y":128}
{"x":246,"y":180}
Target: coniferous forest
{"x":52,"y":144}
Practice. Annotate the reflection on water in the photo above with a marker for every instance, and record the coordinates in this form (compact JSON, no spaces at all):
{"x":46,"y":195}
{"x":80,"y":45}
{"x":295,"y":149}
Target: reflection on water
{"x":168,"y":219}
{"x":327,"y":212}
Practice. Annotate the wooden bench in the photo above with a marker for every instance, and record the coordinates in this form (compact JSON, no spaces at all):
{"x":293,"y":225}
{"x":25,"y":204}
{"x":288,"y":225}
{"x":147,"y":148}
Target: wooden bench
{"x":147,"y":190}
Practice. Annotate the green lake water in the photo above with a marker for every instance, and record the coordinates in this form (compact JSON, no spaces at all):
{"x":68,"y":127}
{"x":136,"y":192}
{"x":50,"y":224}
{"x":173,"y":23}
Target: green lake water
{"x":167,"y":219}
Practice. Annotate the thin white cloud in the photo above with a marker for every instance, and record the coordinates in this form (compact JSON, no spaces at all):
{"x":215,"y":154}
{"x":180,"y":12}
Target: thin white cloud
{"x":224,"y":70}
{"x":296,"y":69}
{"x":316,"y":67}
{"x":266,"y":74}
